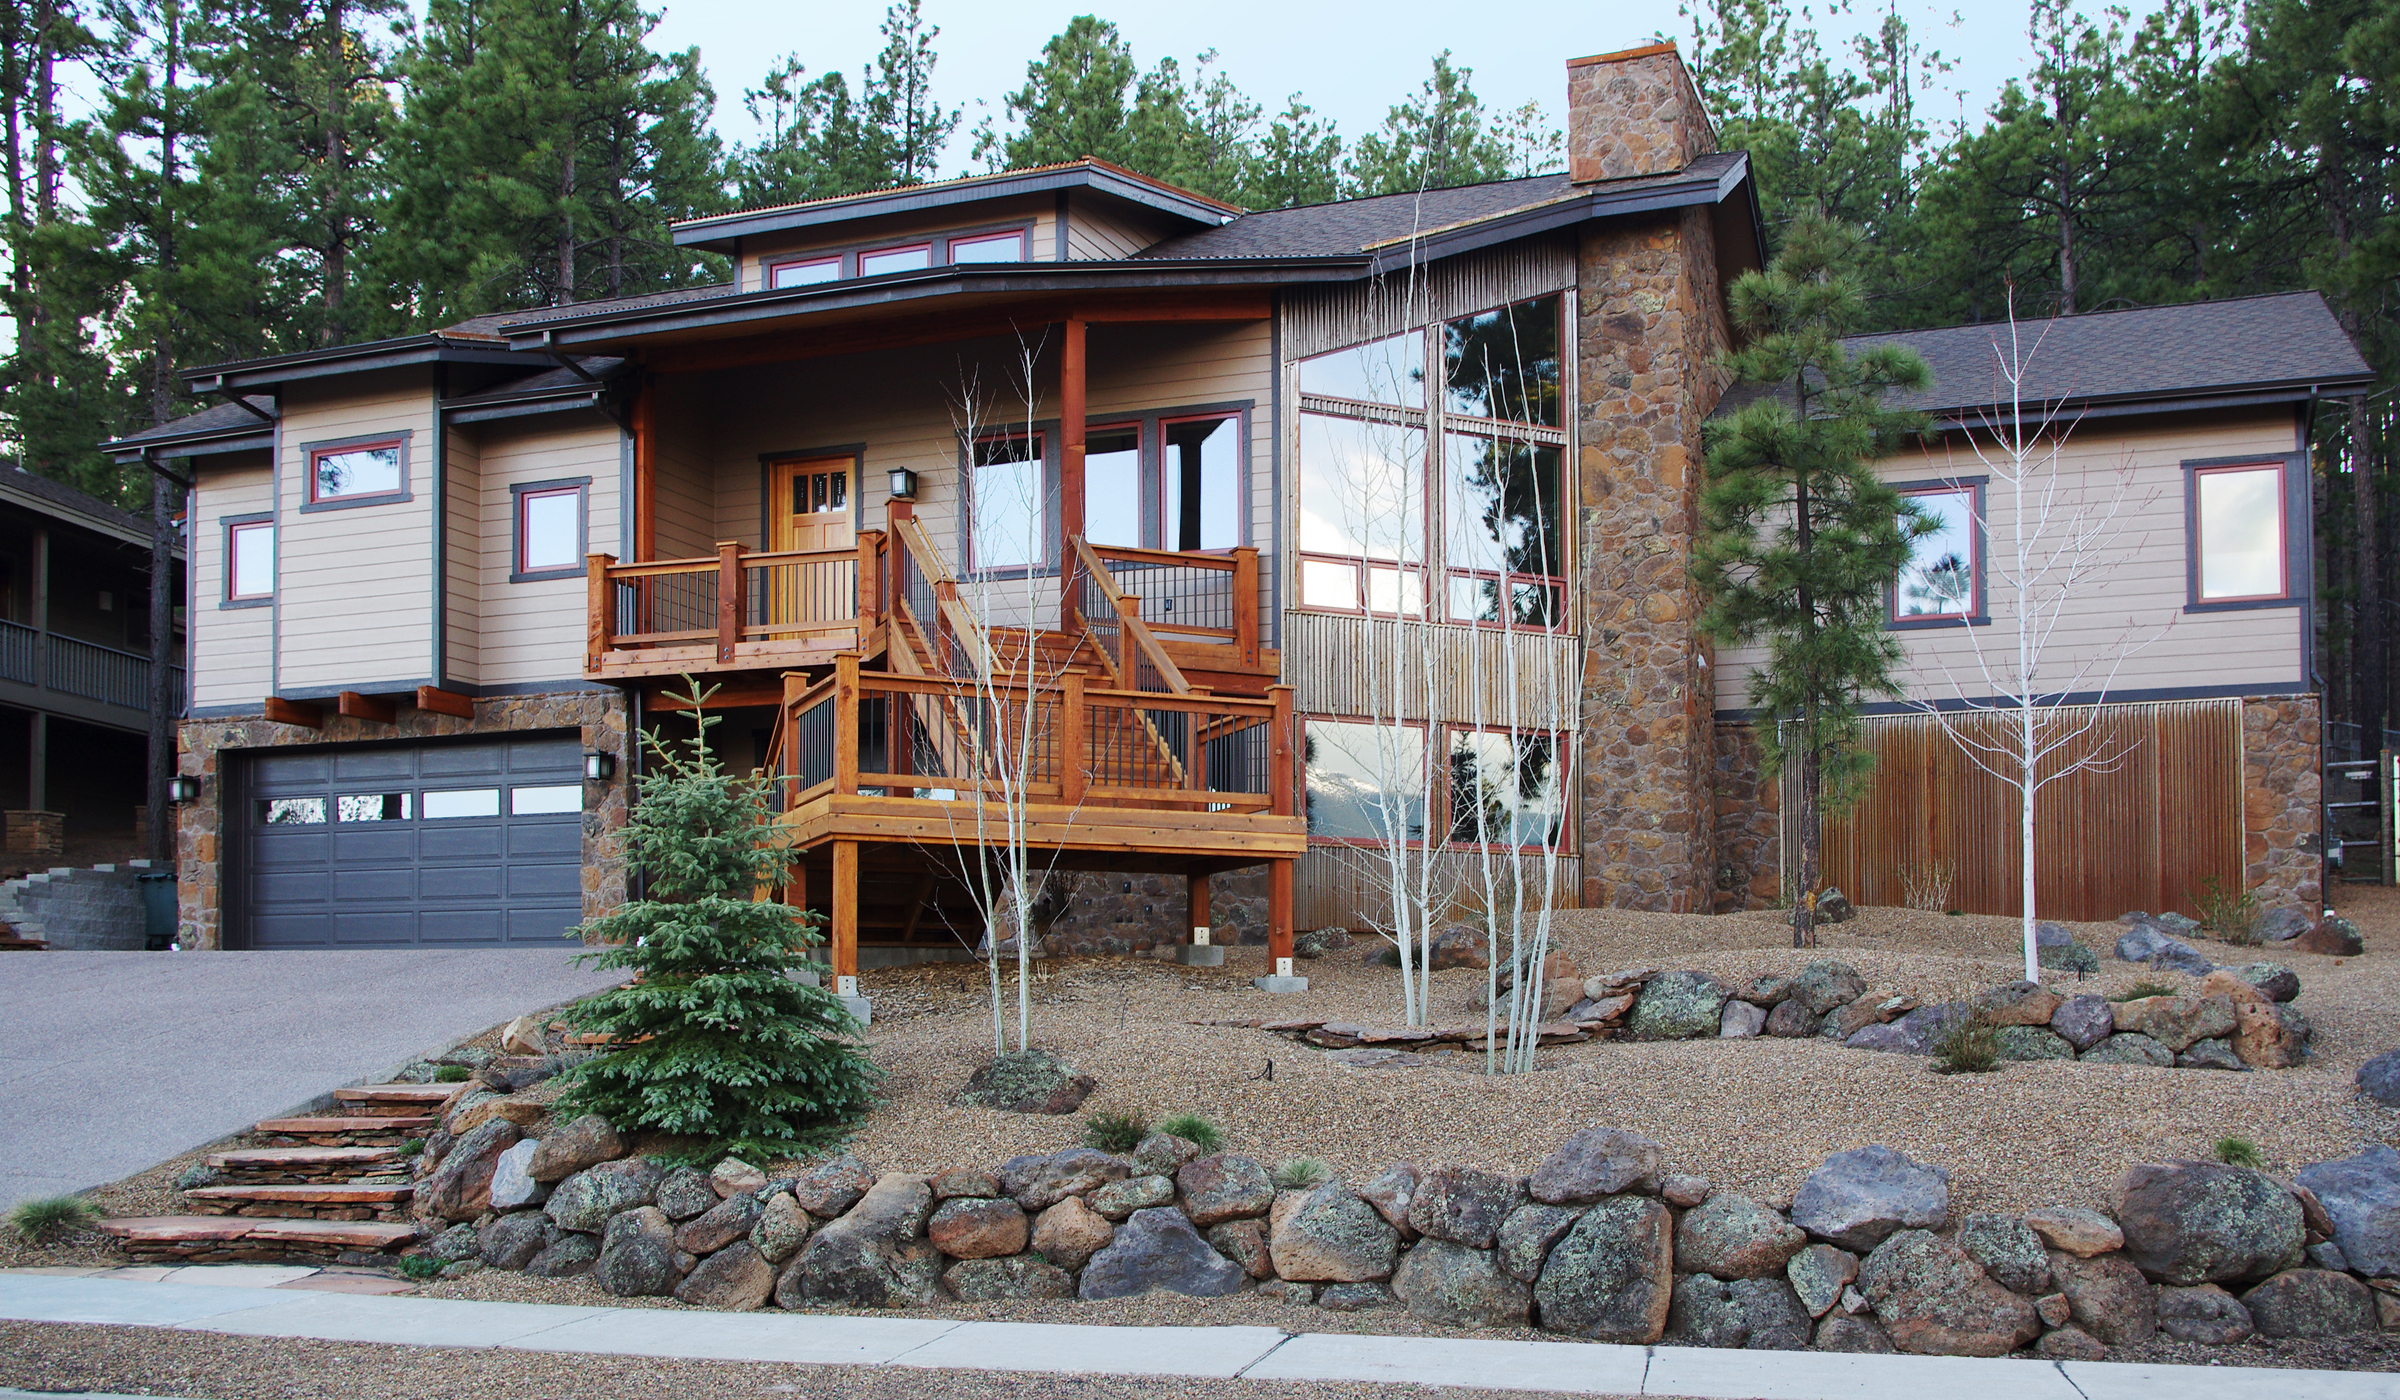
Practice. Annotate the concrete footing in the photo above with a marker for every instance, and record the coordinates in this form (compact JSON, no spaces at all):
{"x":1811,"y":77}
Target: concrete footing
{"x":1280,"y":984}
{"x":1210,"y":956}
{"x":861,"y":1007}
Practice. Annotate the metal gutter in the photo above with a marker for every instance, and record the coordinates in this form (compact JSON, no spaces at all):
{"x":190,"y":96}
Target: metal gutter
{"x":717,"y":232}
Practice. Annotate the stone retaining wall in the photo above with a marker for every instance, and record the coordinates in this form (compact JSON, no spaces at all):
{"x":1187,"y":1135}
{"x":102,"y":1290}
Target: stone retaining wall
{"x":98,"y":909}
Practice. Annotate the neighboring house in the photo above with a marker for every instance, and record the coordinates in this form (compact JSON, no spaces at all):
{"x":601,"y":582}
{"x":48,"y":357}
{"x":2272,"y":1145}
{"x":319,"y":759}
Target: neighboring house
{"x":74,"y":657}
{"x":1188,"y":452}
{"x":2186,"y":429}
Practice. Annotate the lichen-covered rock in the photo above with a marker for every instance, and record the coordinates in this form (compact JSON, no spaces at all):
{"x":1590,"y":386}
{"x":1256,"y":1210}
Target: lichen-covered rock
{"x":1119,"y":1199}
{"x":1526,"y":1236}
{"x":637,"y":1255}
{"x":1791,"y":1020}
{"x":1818,"y":1274}
{"x":1596,"y":1163}
{"x":1834,"y":907}
{"x":1223,"y":1187}
{"x":1157,"y":1250}
{"x":1459,"y":1286}
{"x":1350,"y":1297}
{"x":1038,"y":1183}
{"x":2008,"y":1250}
{"x":1245,"y":1243}
{"x":2202,"y":1222}
{"x":2204,"y":1313}
{"x":1026,"y":1081}
{"x":736,"y":1278}
{"x":1826,"y":984}
{"x":2018,"y":1003}
{"x":513,"y":1241}
{"x":2311,"y":1303}
{"x":831,"y":1188}
{"x":2273,"y":980}
{"x":586,"y":1200}
{"x":965,"y":1181}
{"x":1393,"y":1192}
{"x":1772,"y":1313}
{"x":1859,"y":1197}
{"x":1070,"y":1233}
{"x":2055,"y":947}
{"x":2176,"y":1022}
{"x":567,"y":1255}
{"x":1735,"y":1237}
{"x":2032,"y":1043}
{"x":876,"y":1255}
{"x":1612,"y":1277}
{"x":2146,"y":943}
{"x":1163,"y":1154}
{"x":1934,"y":1300}
{"x":2361,"y":1199}
{"x":461,"y":1187}
{"x":1317,"y":942}
{"x":1679,"y":1006}
{"x":1703,"y":1313}
{"x":684,"y":1193}
{"x":2210,"y":1054}
{"x":1462,"y":1205}
{"x":2129,"y":1048}
{"x":578,"y":1146}
{"x":1007,"y":1280}
{"x":2333,"y":936}
{"x":781,"y":1229}
{"x":719,"y":1226}
{"x":2108,"y":1297}
{"x":1859,"y":1335}
{"x":1329,"y":1235}
{"x":454,"y":1244}
{"x":966,"y":1228}
{"x":1767,"y":991}
{"x":2073,"y":1230}
{"x":2083,"y":1021}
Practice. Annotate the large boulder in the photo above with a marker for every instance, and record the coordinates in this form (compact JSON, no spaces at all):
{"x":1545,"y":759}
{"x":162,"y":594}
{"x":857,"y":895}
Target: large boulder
{"x":2204,"y":1313}
{"x":1007,"y":1280}
{"x":1612,"y":1278}
{"x":1455,"y":1285}
{"x":513,"y":1186}
{"x":1859,"y":1197}
{"x":2129,"y":1048}
{"x":1834,"y":907}
{"x":736,"y":1278}
{"x":1741,"y":1020}
{"x":2032,"y":1043}
{"x":875,"y":1256}
{"x":781,"y":1229}
{"x":1791,"y":1020}
{"x":1826,"y":984}
{"x":567,"y":1255}
{"x":2083,"y":1021}
{"x":966,"y":1228}
{"x":830,"y":1188}
{"x":1818,"y":1274}
{"x":2176,"y":1022}
{"x":2018,"y":1003}
{"x":1526,"y":1236}
{"x":1844,"y":1333}
{"x":1679,"y":1006}
{"x":1329,"y":1235}
{"x":1735,"y":1237}
{"x":586,"y":1200}
{"x":461,"y":1187}
{"x":1223,"y":1187}
{"x":2108,"y":1297}
{"x":1119,"y":1199}
{"x":2273,"y":981}
{"x":2147,"y":943}
{"x":1157,"y":1251}
{"x":1934,"y":1300}
{"x":2278,"y":925}
{"x":1597,"y":1163}
{"x":1037,"y":1183}
{"x":2270,"y":1036}
{"x":2008,"y":1250}
{"x":1026,"y":1081}
{"x":1760,"y":1313}
{"x":735,"y":1177}
{"x":2311,"y":1303}
{"x":2361,"y":1197}
{"x":513,"y":1241}
{"x":1158,"y":1154}
{"x":1394,"y":1193}
{"x":637,"y":1255}
{"x":2210,"y":1054}
{"x":582,"y":1144}
{"x":684,"y":1193}
{"x":719,"y":1226}
{"x":2202,"y":1222}
{"x":1462,"y":1205}
{"x":1245,"y":1243}
{"x":2055,"y":948}
{"x":1070,"y":1233}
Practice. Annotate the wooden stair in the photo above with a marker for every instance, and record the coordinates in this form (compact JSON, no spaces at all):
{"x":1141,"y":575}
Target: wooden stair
{"x":218,"y":1239}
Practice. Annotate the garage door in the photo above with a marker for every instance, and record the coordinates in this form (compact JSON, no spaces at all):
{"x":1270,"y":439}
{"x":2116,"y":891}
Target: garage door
{"x":458,"y":844}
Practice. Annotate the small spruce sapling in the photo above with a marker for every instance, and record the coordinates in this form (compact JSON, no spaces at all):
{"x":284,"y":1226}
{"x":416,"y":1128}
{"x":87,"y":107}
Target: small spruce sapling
{"x":714,"y":1040}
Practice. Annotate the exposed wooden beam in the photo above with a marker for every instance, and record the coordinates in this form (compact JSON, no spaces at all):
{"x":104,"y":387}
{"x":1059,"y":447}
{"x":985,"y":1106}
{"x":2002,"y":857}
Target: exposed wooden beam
{"x":725,"y":697}
{"x":305,"y":715}
{"x":367,"y":707}
{"x":445,"y":702}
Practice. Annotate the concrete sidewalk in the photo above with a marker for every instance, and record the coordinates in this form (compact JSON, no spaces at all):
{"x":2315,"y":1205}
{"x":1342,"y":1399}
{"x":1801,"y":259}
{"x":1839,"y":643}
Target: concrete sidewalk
{"x":116,"y":1061}
{"x":1574,"y":1368}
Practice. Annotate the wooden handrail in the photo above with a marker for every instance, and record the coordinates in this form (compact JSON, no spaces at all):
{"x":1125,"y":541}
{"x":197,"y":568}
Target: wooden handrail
{"x":1151,"y":558}
{"x":1130,"y":619}
{"x":750,"y":558}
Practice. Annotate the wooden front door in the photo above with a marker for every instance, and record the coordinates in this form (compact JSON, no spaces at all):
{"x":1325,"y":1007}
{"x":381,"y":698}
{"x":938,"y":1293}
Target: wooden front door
{"x":808,"y":504}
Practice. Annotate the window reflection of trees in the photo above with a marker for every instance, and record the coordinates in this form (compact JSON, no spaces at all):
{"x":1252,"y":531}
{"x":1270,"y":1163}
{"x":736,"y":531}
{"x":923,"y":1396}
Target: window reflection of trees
{"x":1504,"y":793}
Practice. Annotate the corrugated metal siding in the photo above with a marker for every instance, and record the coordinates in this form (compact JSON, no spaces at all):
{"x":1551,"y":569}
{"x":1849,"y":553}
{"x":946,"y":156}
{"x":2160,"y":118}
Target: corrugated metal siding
{"x":2141,"y":832}
{"x":1342,"y":665}
{"x":1341,"y":885}
{"x":1315,"y":320}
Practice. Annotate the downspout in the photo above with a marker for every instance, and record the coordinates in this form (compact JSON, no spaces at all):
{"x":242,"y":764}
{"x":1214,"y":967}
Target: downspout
{"x":440,"y":670}
{"x":2303,"y":420}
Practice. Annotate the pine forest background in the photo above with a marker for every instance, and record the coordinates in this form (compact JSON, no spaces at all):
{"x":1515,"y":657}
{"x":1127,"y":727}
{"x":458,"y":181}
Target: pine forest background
{"x":264,"y":176}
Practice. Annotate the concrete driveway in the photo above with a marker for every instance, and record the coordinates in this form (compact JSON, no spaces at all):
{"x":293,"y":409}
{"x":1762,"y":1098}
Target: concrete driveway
{"x":111,"y":1062}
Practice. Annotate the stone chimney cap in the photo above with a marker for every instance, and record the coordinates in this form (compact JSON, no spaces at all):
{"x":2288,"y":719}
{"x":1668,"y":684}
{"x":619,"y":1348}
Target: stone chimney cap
{"x":1638,"y":115}
{"x":1621,"y":55}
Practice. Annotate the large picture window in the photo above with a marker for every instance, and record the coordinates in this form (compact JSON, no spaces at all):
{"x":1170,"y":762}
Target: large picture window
{"x":1486,"y":547}
{"x":2239,"y":534}
{"x":1365,"y":782}
{"x":1369,"y":782}
{"x":1505,"y":790}
{"x":1008,"y":506}
{"x":1943,"y":578}
{"x":1112,"y":485}
{"x":348,"y":473}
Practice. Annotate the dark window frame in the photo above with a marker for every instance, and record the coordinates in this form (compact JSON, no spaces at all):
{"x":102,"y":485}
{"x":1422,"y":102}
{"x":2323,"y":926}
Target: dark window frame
{"x":311,"y":451}
{"x":1980,"y":615}
{"x":1024,"y":237}
{"x":768,"y":269}
{"x":2294,"y":512}
{"x":518,"y":494}
{"x":228,"y":526}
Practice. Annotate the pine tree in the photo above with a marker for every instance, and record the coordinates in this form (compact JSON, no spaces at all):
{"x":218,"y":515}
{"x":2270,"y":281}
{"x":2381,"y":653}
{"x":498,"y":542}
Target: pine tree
{"x":1800,"y":539}
{"x":909,"y":126}
{"x":715,"y":1041}
{"x":1297,"y":161}
{"x":1439,"y":137}
{"x":1072,"y":104}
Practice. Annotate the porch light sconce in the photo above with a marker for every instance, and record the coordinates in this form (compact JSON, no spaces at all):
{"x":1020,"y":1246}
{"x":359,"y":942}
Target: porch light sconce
{"x":904,"y":484}
{"x":183,"y":788}
{"x":598,"y":764}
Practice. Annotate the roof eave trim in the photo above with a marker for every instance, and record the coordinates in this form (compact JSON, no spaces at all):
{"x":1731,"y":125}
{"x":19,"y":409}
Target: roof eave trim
{"x":529,"y":406}
{"x":58,"y":510}
{"x":1562,"y":213}
{"x":717,"y":234}
{"x":348,"y":359}
{"x":1960,"y":418}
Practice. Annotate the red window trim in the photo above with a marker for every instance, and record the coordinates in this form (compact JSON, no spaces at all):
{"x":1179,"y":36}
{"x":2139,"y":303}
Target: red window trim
{"x":318,"y":454}
{"x":811,"y":261}
{"x":2283,"y":536}
{"x":232,"y":532}
{"x":1241,"y":474}
{"x":525,"y":500}
{"x":1024,"y":237}
{"x":1437,"y":789}
{"x":1974,"y":608}
{"x":1552,"y":581}
{"x":859,"y":259}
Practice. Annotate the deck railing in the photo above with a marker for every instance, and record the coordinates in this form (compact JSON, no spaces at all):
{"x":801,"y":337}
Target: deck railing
{"x":690,"y":611}
{"x":1202,"y":598}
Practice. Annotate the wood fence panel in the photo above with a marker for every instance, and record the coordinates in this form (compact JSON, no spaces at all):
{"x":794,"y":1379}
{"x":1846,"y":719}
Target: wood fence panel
{"x":2159,"y":813}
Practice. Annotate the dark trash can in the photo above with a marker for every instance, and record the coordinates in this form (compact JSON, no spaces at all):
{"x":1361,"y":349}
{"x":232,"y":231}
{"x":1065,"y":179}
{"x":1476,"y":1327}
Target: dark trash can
{"x":158,"y":910}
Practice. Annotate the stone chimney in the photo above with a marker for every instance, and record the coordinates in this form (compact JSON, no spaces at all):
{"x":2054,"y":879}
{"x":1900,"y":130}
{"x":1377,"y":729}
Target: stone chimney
{"x":1633,"y":113}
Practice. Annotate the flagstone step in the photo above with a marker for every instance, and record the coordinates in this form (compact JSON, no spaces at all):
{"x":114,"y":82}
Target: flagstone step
{"x":223,"y":1238}
{"x":260,"y":1166}
{"x":378,"y":1100}
{"x":302,"y":1201}
{"x":373,"y":1130}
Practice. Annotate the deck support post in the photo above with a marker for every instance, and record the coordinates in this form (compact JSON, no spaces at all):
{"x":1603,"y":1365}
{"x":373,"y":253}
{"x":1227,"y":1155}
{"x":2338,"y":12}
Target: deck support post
{"x":1071,"y":402}
{"x":845,"y":910}
{"x":729,"y":598}
{"x":1200,"y":945}
{"x":599,"y":618}
{"x":1071,"y":741}
{"x":1245,"y":604}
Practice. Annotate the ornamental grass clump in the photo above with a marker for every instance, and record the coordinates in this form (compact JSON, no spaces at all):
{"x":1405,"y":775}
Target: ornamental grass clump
{"x":1301,"y":1173}
{"x":2227,"y":911}
{"x":715,"y":1041}
{"x":1967,"y":1044}
{"x":1194,"y":1129}
{"x":2239,"y":1152}
{"x":1110,"y":1130}
{"x":50,"y":1217}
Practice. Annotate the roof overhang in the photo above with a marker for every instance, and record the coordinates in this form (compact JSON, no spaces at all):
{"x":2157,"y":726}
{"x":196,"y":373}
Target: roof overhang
{"x":398,"y":353}
{"x":1975,"y":417}
{"x":1581,"y":205}
{"x":54,"y":510}
{"x":719,"y":233}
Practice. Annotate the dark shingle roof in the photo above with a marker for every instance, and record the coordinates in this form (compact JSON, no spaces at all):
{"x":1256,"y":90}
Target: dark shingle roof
{"x":2192,"y":349}
{"x":595,"y":367}
{"x":496,"y":324}
{"x":70,"y":503}
{"x":214,"y":418}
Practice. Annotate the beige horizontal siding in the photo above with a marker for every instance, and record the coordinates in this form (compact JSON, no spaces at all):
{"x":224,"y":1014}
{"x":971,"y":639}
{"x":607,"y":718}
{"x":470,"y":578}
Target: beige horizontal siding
{"x":462,"y":581}
{"x":232,"y":661}
{"x":683,"y":476}
{"x":1102,"y":230}
{"x":355,"y":586}
{"x":533,"y":632}
{"x":1040,"y":210}
{"x":2127,"y":630}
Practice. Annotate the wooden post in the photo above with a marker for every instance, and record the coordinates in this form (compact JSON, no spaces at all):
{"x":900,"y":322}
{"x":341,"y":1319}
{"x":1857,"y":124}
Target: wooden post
{"x":870,"y":581}
{"x":599,"y":619}
{"x":1196,"y":906}
{"x":845,"y":729}
{"x":845,"y":909}
{"x":1245,"y":605}
{"x":1279,"y":912}
{"x":1070,"y":740}
{"x":1070,"y":465}
{"x":729,"y":598}
{"x":1129,"y":612}
{"x":645,"y":470}
{"x":1280,"y":774}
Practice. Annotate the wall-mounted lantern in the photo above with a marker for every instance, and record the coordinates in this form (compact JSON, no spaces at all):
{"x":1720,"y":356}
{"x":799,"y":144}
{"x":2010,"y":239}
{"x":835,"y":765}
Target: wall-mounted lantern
{"x":183,"y":788}
{"x":598,"y":764}
{"x":904,"y":484}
